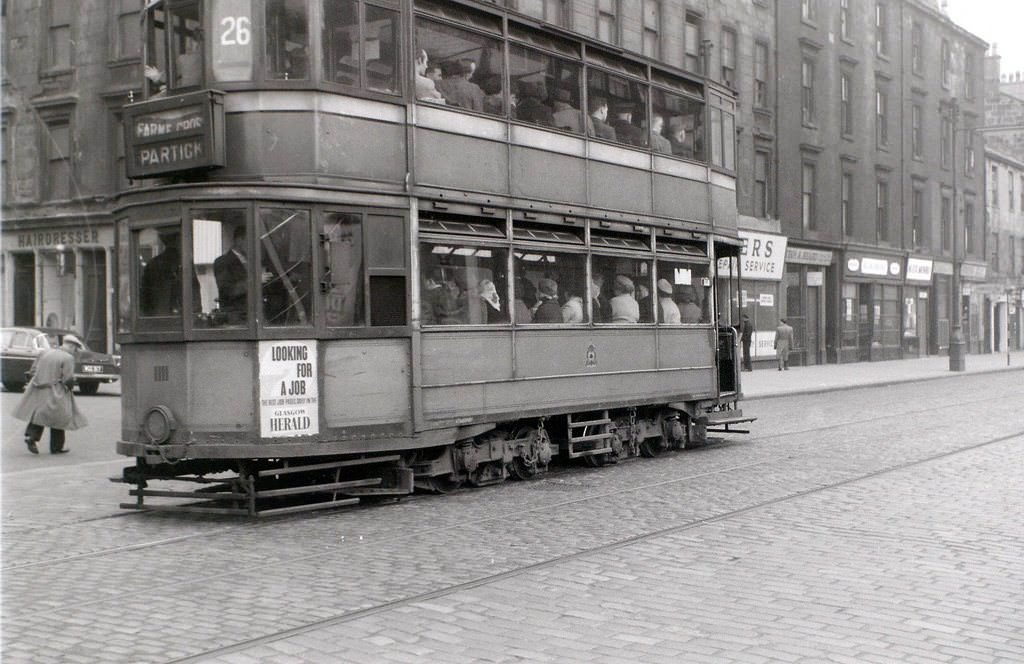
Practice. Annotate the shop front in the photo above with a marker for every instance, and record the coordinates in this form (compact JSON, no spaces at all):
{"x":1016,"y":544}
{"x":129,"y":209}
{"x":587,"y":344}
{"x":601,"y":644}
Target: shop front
{"x":917,"y":307}
{"x":869,"y":303}
{"x":941,"y":306}
{"x":978,"y":301}
{"x":807,"y":273}
{"x":59,"y":275}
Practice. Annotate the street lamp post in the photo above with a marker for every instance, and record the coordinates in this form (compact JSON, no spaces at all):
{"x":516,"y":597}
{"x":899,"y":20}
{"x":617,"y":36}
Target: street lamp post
{"x":957,"y":346}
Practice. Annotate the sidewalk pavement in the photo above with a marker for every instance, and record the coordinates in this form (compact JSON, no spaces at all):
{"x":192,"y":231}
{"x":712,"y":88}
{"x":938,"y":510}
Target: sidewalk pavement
{"x":767,"y":383}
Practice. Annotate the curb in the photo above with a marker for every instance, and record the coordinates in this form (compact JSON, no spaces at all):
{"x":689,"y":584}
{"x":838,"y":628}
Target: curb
{"x":884,"y":383}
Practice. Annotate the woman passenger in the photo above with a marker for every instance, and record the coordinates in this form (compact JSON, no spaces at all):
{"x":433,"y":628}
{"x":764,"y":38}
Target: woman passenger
{"x":667,"y":306}
{"x":547,"y":310}
{"x":624,"y":305}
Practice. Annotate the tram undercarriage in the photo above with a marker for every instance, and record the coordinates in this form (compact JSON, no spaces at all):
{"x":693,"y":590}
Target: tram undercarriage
{"x":521,"y":450}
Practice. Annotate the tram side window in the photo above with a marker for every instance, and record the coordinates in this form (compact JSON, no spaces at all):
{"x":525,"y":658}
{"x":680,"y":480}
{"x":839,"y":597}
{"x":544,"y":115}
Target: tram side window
{"x":463,"y":284}
{"x":220,"y":255}
{"x":347,"y":45}
{"x":618,"y":108}
{"x":546,"y":89}
{"x":287,"y":40}
{"x":467,"y":67}
{"x":684,"y":289}
{"x":284,"y":241}
{"x":160,"y":286}
{"x":174,"y":43}
{"x":550,"y":286}
{"x":343,"y":269}
{"x":621,"y":290}
{"x":677,"y":125}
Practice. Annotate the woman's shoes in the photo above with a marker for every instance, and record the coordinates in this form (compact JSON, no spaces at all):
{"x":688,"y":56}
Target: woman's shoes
{"x":31,"y":444}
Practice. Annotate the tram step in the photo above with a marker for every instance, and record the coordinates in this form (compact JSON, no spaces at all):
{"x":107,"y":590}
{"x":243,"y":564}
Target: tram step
{"x":593,"y":436}
{"x":583,"y":453}
{"x":327,"y":466}
{"x":723,"y":417}
{"x":590,"y":423}
{"x":206,"y":495}
{"x":318,"y":488}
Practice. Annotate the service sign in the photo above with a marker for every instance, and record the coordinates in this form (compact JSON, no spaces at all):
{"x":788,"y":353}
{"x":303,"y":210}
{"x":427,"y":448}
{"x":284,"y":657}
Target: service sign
{"x":289,"y":389}
{"x":763,"y":258}
{"x":170,"y":135}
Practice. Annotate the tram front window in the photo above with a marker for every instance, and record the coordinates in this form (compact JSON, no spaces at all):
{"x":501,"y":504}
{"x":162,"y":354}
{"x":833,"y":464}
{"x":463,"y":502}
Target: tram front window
{"x":471,"y":66}
{"x":220,"y":254}
{"x":174,"y":44}
{"x":363,"y":55}
{"x":463,"y":285}
{"x":342,"y":281}
{"x":287,"y":40}
{"x":284,"y":241}
{"x":160,"y":287}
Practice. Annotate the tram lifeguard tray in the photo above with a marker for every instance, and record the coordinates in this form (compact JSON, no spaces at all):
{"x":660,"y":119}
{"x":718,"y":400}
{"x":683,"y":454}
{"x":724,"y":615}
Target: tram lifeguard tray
{"x":174,"y":134}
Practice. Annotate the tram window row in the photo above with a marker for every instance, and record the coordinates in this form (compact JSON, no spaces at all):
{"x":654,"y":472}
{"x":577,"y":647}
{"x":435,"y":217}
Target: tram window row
{"x":458,"y":59}
{"x":354,"y":265}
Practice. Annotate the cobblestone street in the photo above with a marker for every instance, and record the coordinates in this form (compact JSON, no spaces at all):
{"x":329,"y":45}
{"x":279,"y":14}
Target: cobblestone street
{"x":879,"y":526}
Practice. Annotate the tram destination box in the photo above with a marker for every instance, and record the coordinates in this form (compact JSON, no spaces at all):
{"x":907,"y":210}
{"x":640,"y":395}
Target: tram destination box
{"x":174,"y":134}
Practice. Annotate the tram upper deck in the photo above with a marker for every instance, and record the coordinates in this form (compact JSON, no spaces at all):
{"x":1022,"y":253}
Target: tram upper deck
{"x":446,"y":100}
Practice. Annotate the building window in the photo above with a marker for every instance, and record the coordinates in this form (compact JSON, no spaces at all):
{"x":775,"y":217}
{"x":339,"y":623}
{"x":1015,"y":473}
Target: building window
{"x":729,"y":57}
{"x":5,"y":172}
{"x":127,"y":40}
{"x":995,"y":187}
{"x":946,"y":140}
{"x":691,"y":41}
{"x":969,"y":226}
{"x":58,"y":35}
{"x":760,"y":74}
{"x":845,"y":104}
{"x":550,"y":11}
{"x":947,"y":64}
{"x":994,"y":244}
{"x":882,"y":211}
{"x":882,"y":28}
{"x":608,"y":21}
{"x":846,"y":205}
{"x":1010,"y":190}
{"x":968,"y":75}
{"x":882,"y":118}
{"x":807,"y":92}
{"x":916,"y":130}
{"x":119,"y":178}
{"x":1022,"y":193}
{"x":808,"y":210}
{"x":808,"y":10}
{"x":844,"y":19}
{"x":947,"y":223}
{"x":969,"y":150}
{"x":917,"y":48}
{"x":917,"y":217}
{"x":57,"y":142}
{"x":652,"y":28}
{"x":761,"y":167}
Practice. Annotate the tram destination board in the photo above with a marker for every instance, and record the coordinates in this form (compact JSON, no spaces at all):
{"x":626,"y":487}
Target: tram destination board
{"x":174,"y":134}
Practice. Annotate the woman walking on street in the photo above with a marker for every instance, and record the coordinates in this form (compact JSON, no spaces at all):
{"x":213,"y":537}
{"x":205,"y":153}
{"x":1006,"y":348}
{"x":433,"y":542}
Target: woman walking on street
{"x":48,"y":402}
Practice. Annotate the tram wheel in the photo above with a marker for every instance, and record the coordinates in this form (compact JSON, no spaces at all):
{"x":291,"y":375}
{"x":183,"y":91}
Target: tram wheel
{"x":596,"y":460}
{"x":652,"y":447}
{"x":444,"y":484}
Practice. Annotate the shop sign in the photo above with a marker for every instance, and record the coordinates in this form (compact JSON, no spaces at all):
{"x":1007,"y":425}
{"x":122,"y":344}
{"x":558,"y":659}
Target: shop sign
{"x":766,"y":299}
{"x":942,"y":267}
{"x":874,"y":267}
{"x":289,"y":389}
{"x":763,"y":257}
{"x":973,"y":271}
{"x":763,"y":344}
{"x":175,"y":134}
{"x":58,"y":238}
{"x":808,"y":256}
{"x":815,"y":278}
{"x":919,"y":269}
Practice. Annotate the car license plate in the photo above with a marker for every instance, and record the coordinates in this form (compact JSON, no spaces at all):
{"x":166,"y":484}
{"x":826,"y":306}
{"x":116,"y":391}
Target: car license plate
{"x":92,"y":368}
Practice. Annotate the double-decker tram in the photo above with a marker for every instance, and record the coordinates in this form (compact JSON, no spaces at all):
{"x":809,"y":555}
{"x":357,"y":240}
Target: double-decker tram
{"x":377,"y":245}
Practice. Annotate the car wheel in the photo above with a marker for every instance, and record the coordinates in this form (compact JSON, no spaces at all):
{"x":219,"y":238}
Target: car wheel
{"x":89,"y":388}
{"x":14,"y":387}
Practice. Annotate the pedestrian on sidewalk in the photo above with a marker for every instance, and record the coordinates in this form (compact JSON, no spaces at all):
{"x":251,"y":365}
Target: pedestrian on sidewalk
{"x":48,"y":402}
{"x":746,"y":336}
{"x":783,"y":342}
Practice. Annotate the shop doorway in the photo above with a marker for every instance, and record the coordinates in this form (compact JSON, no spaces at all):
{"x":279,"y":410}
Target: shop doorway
{"x":24,"y":289}
{"x":923,"y":322}
{"x":94,"y":298}
{"x":813,"y":324}
{"x":865,"y":322}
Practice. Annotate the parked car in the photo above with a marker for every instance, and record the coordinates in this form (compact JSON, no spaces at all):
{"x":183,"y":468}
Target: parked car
{"x":20,"y":346}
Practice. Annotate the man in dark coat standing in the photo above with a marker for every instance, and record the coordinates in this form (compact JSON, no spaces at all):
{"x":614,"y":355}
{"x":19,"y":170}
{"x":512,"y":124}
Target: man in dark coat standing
{"x":47,"y":401}
{"x":783,"y":343}
{"x":746,"y":336}
{"x":232,"y":274}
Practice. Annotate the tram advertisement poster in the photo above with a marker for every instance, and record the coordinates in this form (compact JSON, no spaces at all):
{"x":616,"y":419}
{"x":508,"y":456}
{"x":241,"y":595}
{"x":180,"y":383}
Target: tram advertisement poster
{"x":289,"y":389}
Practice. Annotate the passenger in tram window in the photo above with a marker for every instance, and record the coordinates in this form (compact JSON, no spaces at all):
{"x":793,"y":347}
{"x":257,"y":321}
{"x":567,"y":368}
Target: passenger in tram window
{"x":658,"y":142}
{"x":526,"y":297}
{"x":622,"y":123}
{"x":572,"y":310}
{"x":531,"y":106}
{"x":493,"y":312}
{"x":689,"y":310}
{"x":602,"y":308}
{"x":643,"y":300}
{"x":450,"y":303}
{"x":598,"y":119}
{"x":624,"y":305}
{"x":494,"y":102}
{"x":457,"y":88}
{"x":547,"y":309}
{"x":161,"y":285}
{"x":667,"y":307}
{"x":680,"y":140}
{"x":425,"y":88}
{"x":231,"y":270}
{"x":567,"y":116}
{"x":430,"y":293}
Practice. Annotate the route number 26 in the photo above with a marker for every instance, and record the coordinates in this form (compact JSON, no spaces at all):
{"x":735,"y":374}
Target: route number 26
{"x":237,"y":31}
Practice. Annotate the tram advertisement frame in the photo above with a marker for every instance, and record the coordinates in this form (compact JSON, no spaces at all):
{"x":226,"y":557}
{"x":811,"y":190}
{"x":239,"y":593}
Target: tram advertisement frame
{"x":289,"y":389}
{"x":174,"y":134}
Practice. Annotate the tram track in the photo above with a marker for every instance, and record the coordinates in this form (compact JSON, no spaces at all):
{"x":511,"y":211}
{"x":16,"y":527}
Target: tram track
{"x":551,"y":475}
{"x":350,"y":616}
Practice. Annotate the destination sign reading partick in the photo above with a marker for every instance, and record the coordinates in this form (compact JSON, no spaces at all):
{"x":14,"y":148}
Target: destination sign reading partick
{"x":170,"y":135}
